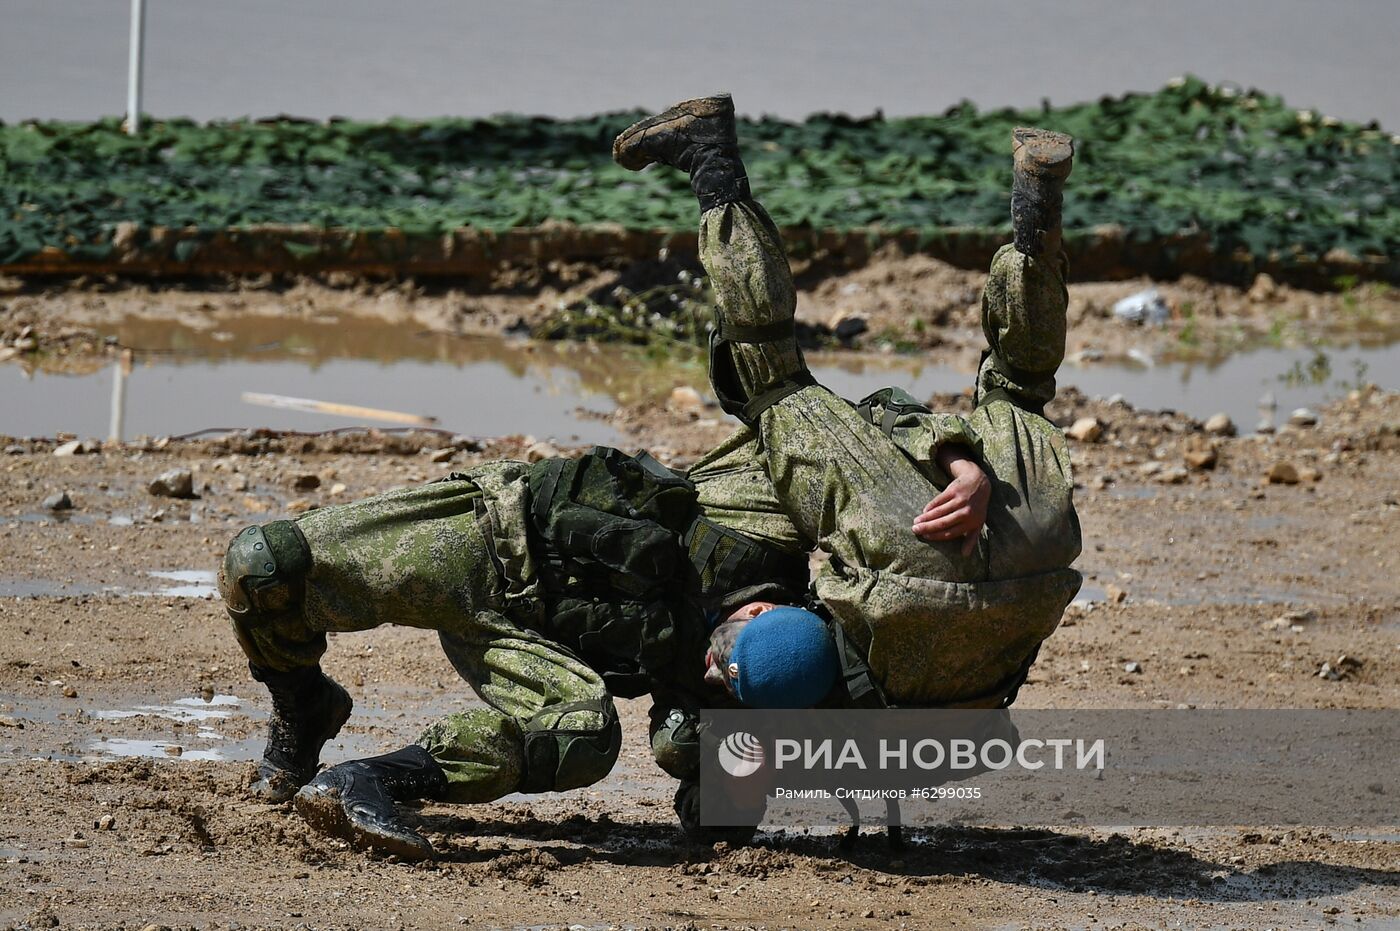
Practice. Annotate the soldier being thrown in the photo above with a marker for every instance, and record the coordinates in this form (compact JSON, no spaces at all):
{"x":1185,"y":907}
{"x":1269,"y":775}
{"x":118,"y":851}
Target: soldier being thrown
{"x":939,"y":621}
{"x":555,"y":586}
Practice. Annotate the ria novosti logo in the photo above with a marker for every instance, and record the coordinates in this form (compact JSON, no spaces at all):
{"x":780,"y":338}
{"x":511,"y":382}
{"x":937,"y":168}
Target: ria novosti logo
{"x":740,"y":754}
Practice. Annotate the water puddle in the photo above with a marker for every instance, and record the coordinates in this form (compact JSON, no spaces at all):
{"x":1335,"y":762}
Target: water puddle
{"x":188,"y":378}
{"x":1090,"y":595}
{"x":48,"y":588}
{"x":188,"y":583}
{"x":191,"y":583}
{"x":122,"y":747}
{"x":184,"y":710}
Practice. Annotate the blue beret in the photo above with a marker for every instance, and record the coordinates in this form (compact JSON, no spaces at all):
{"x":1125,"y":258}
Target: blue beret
{"x":786,"y":659}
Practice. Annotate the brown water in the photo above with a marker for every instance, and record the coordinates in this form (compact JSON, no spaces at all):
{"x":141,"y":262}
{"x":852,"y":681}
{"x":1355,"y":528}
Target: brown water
{"x":187,"y":379}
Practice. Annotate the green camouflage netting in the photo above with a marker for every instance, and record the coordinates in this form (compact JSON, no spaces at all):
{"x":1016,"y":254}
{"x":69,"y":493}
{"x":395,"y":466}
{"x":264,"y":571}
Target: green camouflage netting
{"x":1241,"y":167}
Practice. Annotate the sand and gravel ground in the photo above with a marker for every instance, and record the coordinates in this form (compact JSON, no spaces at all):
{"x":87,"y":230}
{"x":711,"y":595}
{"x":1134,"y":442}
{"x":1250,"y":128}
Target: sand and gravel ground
{"x":1189,"y":571}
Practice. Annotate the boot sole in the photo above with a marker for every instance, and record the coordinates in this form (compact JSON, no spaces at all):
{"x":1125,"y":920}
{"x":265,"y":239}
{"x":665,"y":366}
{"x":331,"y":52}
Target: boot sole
{"x":324,"y":811}
{"x":1042,"y":150}
{"x":699,"y":108}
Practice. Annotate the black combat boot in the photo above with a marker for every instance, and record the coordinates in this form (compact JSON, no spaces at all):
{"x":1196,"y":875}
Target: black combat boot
{"x":696,"y":136}
{"x":308,"y":709}
{"x":1041,"y":161}
{"x":355,"y":800}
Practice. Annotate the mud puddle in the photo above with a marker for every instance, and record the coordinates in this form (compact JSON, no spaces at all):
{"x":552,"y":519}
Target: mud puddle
{"x":196,"y":375}
{"x":169,"y":583}
{"x":99,"y":726}
{"x":1283,"y":378}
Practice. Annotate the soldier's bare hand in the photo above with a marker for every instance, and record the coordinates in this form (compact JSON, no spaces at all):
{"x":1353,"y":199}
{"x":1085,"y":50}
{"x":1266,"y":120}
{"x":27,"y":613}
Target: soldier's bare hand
{"x":960,"y":510}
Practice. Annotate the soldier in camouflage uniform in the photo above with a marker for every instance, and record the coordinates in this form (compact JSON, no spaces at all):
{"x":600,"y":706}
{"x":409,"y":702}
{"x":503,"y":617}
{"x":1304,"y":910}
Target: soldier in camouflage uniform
{"x":557,"y":585}
{"x":953,"y":613}
{"x":553,"y":586}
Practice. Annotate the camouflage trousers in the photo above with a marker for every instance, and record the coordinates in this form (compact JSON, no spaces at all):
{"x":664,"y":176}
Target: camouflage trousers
{"x":937,"y":627}
{"x":427,"y":557}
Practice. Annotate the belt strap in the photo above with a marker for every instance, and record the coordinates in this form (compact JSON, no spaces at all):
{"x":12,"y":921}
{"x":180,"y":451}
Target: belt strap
{"x":790,"y":384}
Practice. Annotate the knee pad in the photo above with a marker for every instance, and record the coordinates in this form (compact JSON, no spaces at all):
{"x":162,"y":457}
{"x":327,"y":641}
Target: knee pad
{"x":264,"y":570}
{"x":570,"y":746}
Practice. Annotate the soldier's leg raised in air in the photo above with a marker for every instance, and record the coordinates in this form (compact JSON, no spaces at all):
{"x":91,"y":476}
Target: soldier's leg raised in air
{"x":1031,"y":521}
{"x":550,"y":725}
{"x":415,"y":557}
{"x":842,"y":481}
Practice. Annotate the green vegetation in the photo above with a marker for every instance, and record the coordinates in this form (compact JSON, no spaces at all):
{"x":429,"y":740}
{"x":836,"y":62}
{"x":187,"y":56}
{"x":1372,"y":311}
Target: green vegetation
{"x":1243,"y":168}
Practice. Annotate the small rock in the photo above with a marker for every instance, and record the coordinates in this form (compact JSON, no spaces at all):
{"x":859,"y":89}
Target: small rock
{"x":1263,"y":290}
{"x":541,"y":450}
{"x":1201,"y":458}
{"x":848,"y":326}
{"x":206,"y":693}
{"x":238,"y":483}
{"x":176,"y":483}
{"x":58,"y":502}
{"x":1327,"y":672}
{"x":1114,"y":595}
{"x":25,"y":344}
{"x":1302,"y":417}
{"x":1150,"y":468}
{"x":7,"y":721}
{"x":685,"y":400}
{"x":174,"y":750}
{"x":443,"y":455}
{"x":338,"y":488}
{"x":1220,"y":425}
{"x":1085,"y":430}
{"x":299,"y":506}
{"x":1135,"y":668}
{"x":71,"y":448}
{"x":1283,"y":473}
{"x":1265,"y":426}
{"x":106,"y":823}
{"x":1309,"y":474}
{"x":70,"y":692}
{"x":1292,"y":621}
{"x":308,"y":481}
{"x":14,"y":449}
{"x":1173,"y":476}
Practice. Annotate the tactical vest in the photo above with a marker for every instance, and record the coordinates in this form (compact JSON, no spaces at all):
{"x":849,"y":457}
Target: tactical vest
{"x":630,"y":570}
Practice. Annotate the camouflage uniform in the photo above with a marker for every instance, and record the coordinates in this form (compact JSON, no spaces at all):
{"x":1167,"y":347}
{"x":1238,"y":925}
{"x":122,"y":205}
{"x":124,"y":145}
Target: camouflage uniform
{"x":450,"y":556}
{"x":935,"y":627}
{"x":490,"y":559}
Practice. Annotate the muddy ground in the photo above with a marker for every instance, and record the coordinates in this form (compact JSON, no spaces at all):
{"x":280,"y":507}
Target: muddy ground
{"x":1227,"y":589}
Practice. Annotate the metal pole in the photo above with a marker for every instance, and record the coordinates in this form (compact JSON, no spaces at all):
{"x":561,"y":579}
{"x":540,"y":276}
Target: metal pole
{"x":133,"y":73}
{"x":120,"y":371}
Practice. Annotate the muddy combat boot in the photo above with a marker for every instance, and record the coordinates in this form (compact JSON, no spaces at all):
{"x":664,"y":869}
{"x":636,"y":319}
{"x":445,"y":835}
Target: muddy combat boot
{"x":308,"y":709}
{"x":355,"y":800}
{"x":1041,"y":161}
{"x":697,"y":136}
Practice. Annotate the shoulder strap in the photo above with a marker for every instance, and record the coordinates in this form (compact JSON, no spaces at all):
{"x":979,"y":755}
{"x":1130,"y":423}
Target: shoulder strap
{"x":855,"y":674}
